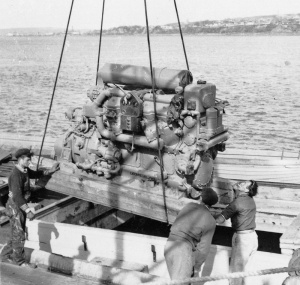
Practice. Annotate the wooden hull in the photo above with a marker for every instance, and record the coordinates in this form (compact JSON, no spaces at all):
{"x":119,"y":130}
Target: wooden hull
{"x":148,"y":251}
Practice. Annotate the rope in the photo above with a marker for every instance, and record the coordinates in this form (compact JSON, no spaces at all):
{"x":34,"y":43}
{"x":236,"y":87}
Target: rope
{"x":234,"y":275}
{"x":156,"y":124}
{"x":186,"y":60}
{"x":56,"y":78}
{"x":100,"y":40}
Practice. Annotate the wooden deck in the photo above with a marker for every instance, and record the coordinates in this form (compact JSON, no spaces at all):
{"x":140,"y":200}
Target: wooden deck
{"x":265,"y":166}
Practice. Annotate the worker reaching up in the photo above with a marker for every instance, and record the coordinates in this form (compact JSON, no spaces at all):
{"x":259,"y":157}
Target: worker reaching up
{"x":191,"y":231}
{"x":17,"y":208}
{"x":241,"y":211}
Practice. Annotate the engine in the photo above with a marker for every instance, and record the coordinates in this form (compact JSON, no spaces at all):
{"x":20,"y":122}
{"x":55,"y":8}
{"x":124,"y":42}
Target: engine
{"x":120,"y":131}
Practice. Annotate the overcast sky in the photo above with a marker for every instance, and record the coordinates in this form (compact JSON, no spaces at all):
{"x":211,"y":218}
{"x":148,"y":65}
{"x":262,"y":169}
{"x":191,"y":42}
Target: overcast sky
{"x":87,"y":13}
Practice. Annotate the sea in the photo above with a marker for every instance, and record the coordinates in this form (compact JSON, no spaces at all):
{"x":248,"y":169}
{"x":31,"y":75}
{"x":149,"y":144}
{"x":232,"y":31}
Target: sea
{"x":259,"y":75}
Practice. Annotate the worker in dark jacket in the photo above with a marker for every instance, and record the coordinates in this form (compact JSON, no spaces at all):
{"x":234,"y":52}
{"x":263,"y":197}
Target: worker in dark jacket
{"x":241,"y":211}
{"x":192,"y":230}
{"x":17,"y":208}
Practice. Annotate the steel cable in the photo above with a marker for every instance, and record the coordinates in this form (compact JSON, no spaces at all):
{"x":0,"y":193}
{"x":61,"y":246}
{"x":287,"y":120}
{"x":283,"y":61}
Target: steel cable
{"x":186,"y":60}
{"x":155,"y":114}
{"x":100,"y":41}
{"x":54,"y":88}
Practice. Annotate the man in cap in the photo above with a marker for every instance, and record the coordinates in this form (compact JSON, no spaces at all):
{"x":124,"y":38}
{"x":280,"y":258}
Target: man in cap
{"x":192,"y":231}
{"x":17,"y":208}
{"x":241,"y":211}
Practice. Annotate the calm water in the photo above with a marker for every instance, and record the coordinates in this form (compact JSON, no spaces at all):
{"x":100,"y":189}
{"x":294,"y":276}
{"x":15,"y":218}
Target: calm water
{"x":258,"y":75}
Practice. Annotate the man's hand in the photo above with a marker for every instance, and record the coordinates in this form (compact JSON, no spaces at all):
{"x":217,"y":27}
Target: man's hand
{"x":220,"y":219}
{"x":30,"y":213}
{"x":54,"y":168}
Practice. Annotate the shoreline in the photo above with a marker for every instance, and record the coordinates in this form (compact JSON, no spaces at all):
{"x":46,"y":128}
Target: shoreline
{"x":155,"y":34}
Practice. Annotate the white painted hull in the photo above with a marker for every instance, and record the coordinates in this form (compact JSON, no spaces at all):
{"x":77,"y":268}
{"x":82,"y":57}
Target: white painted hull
{"x":66,"y":240}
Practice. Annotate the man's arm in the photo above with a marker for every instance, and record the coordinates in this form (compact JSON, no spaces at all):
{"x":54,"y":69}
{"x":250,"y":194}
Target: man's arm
{"x":220,"y":219}
{"x":38,"y":174}
{"x":226,"y":214}
{"x":35,"y":174}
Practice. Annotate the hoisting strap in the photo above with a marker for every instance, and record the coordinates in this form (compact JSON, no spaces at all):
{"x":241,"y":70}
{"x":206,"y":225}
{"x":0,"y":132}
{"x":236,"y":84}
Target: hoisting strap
{"x":155,"y":114}
{"x":186,"y":60}
{"x":100,"y":40}
{"x":60,"y":60}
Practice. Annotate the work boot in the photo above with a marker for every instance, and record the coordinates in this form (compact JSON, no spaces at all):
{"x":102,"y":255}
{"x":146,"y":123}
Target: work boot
{"x":29,"y":265}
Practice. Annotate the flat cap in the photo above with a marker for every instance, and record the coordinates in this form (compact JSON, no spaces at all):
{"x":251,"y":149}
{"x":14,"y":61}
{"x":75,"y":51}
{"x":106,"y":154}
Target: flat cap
{"x":209,"y":196}
{"x":23,"y":151}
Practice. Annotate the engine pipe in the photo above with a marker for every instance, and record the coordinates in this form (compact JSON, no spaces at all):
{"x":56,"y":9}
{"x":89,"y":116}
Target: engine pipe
{"x":176,"y":185}
{"x":137,"y":140}
{"x":92,"y":166}
{"x":85,"y":166}
{"x":103,"y":169}
{"x":216,"y":140}
{"x":160,"y":98}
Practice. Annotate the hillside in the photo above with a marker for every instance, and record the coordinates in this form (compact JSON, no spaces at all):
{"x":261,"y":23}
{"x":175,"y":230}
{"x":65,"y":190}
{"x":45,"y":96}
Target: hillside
{"x":272,"y":24}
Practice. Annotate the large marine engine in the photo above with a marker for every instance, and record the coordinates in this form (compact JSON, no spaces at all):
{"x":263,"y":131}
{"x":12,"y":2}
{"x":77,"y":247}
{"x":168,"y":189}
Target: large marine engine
{"x":115,"y":133}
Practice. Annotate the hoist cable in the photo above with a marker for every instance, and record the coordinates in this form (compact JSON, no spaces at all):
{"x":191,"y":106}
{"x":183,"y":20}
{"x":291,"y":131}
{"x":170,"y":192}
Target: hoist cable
{"x":186,"y":60}
{"x":100,"y":41}
{"x":155,"y":114}
{"x":56,"y":78}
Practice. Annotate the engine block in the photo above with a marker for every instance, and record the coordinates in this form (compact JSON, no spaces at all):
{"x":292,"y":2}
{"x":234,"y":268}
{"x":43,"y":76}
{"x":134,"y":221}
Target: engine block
{"x":121,"y":129}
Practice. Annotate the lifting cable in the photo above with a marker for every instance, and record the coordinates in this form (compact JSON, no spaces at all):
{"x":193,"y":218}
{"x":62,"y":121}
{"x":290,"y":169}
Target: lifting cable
{"x":100,"y":40}
{"x":186,"y":60}
{"x":56,"y":78}
{"x":155,"y":114}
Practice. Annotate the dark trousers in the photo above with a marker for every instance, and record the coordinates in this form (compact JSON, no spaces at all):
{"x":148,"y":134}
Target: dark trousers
{"x":14,"y":249}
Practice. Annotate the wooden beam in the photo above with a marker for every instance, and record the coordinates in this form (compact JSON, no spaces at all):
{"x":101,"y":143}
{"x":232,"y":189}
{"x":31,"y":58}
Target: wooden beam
{"x":264,"y":154}
{"x":60,"y":210}
{"x":272,"y":215}
{"x":80,"y":212}
{"x":281,"y":174}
